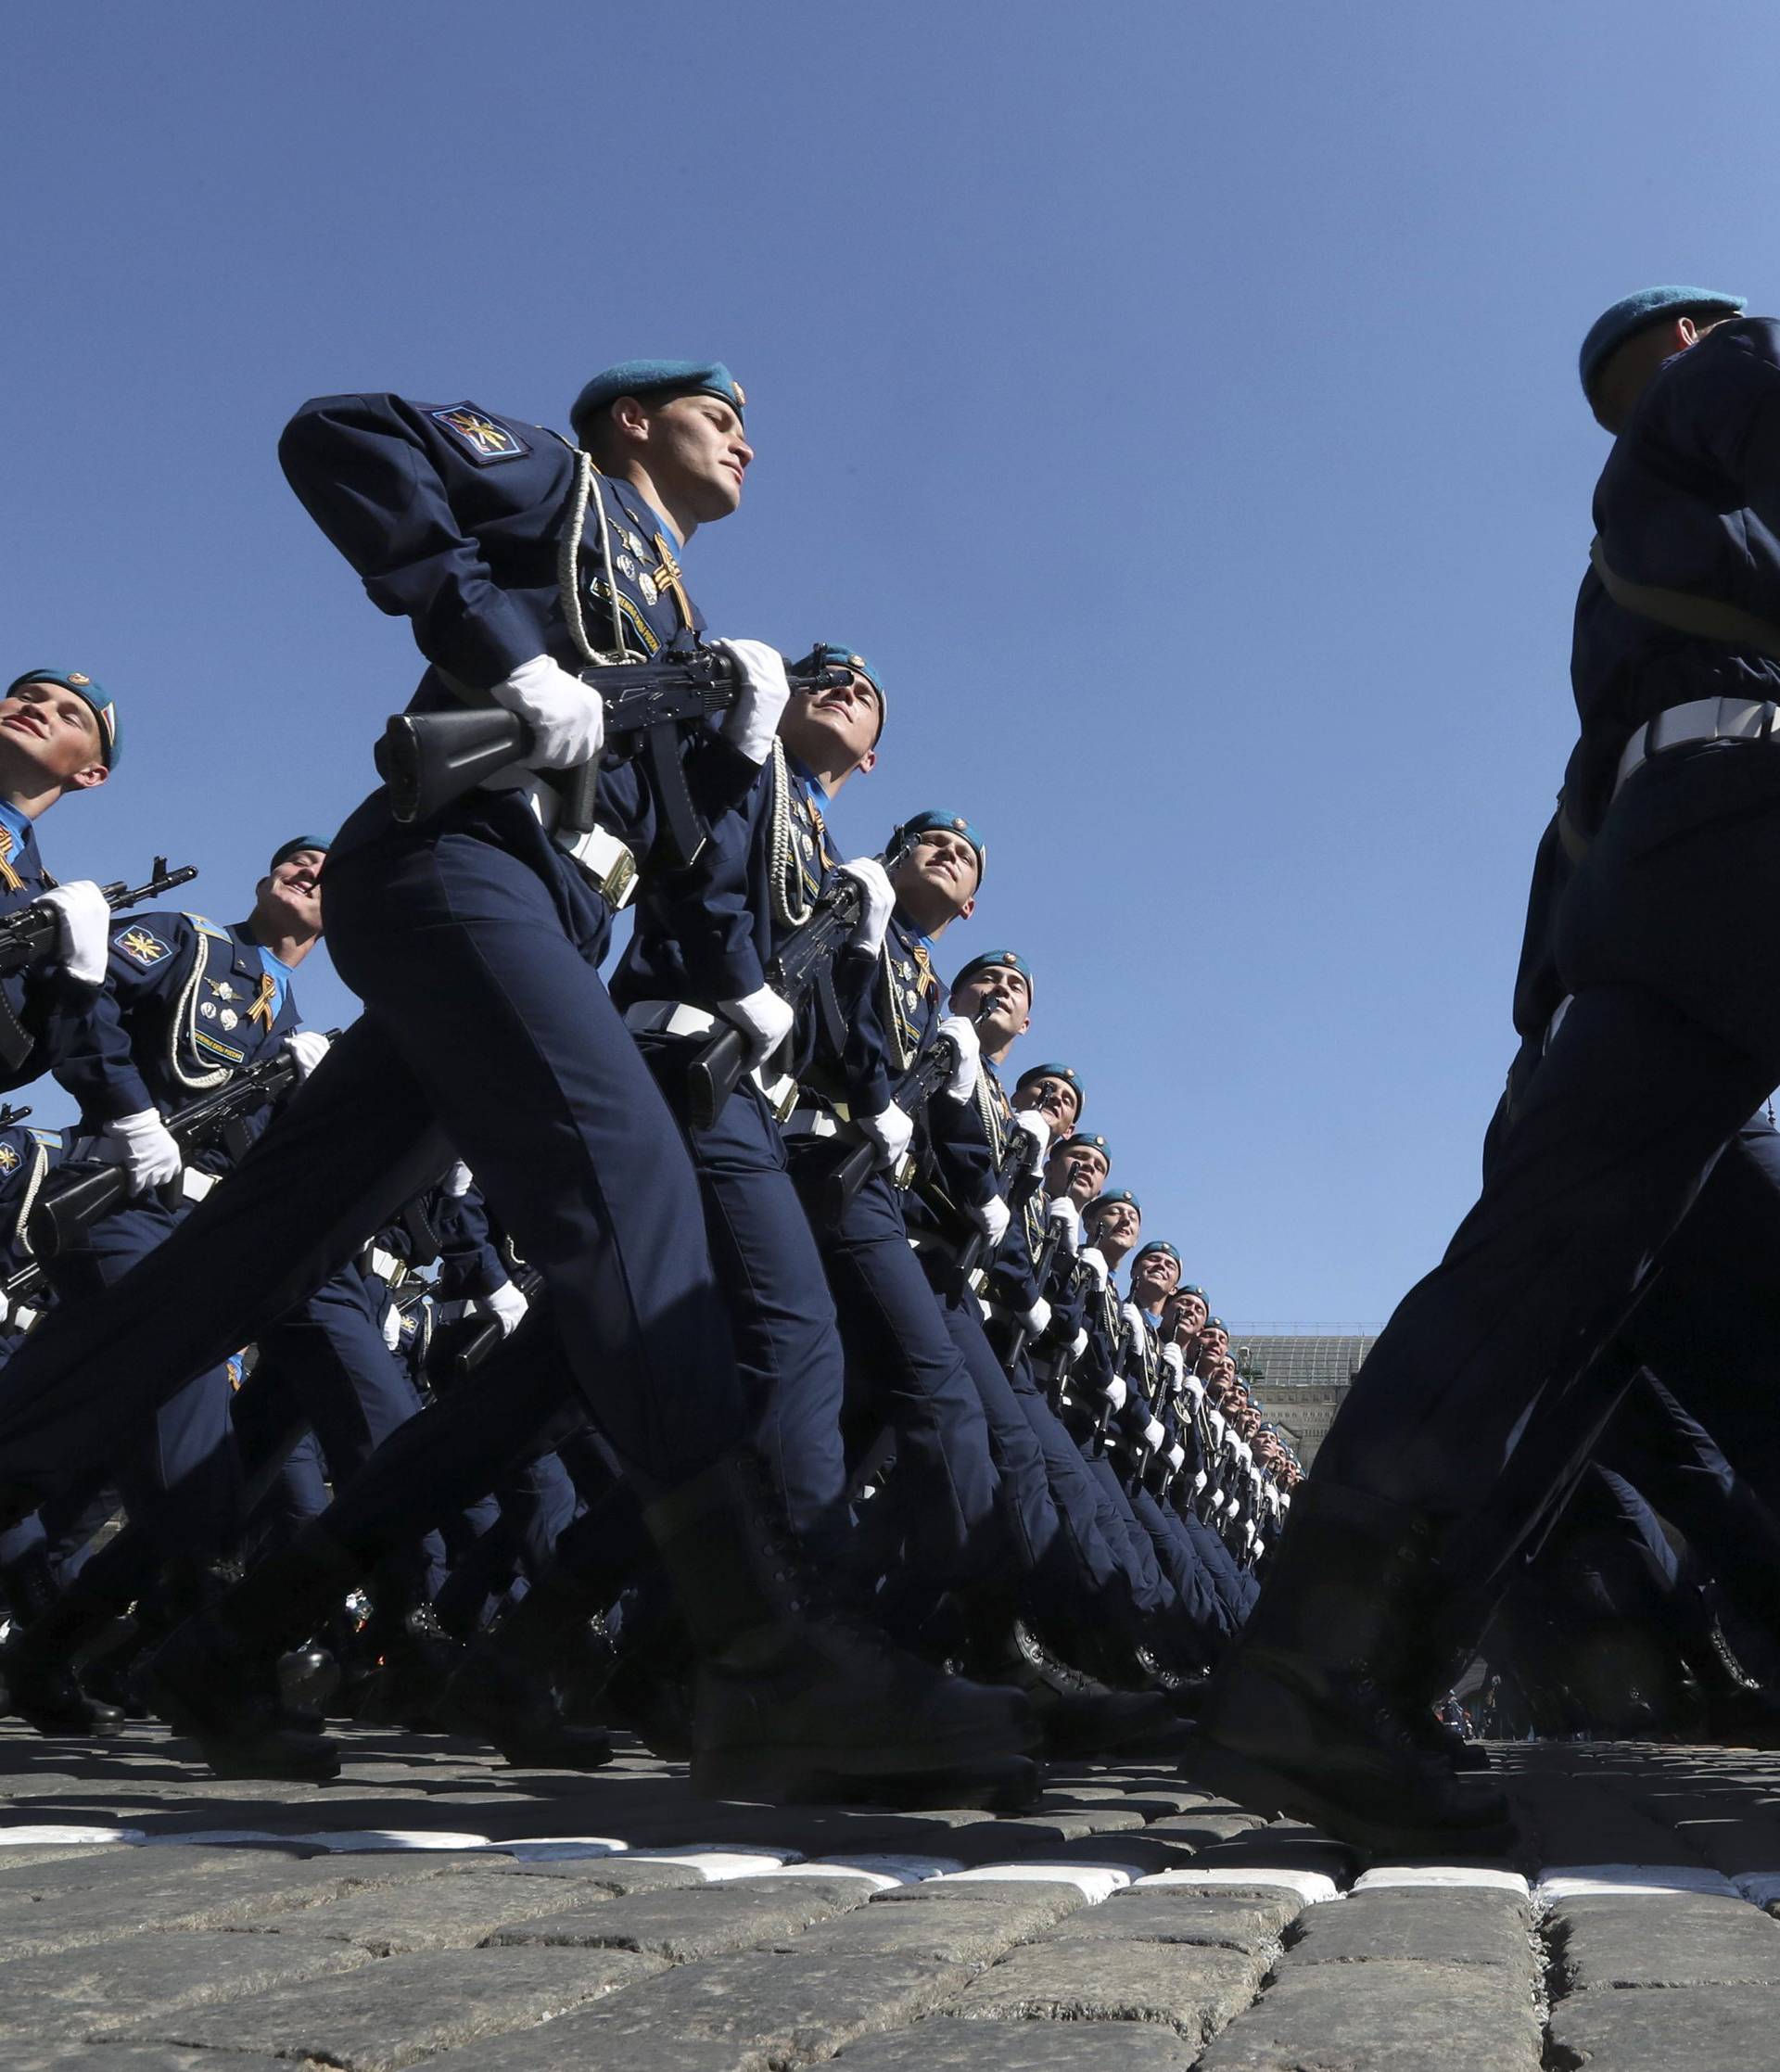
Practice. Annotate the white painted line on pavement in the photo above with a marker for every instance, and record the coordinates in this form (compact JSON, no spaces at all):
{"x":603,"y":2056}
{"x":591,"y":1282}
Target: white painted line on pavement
{"x":560,"y":1849}
{"x":1312,"y":1886}
{"x":1094,"y":1881}
{"x":62,"y":1837}
{"x":718,"y":1864}
{"x":1390,"y":1878}
{"x":1624,"y":1881}
{"x":365,"y":1841}
{"x":899,"y":1870}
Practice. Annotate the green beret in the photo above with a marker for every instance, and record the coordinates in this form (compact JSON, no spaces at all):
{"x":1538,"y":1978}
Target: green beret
{"x":1633,"y":312}
{"x":288,"y":849}
{"x":91,"y":693}
{"x":831,"y":655}
{"x":934,"y":821}
{"x":997,"y":960}
{"x":656,"y":378}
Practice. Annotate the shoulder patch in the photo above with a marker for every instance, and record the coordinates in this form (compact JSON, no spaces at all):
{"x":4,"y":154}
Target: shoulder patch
{"x":206,"y":926}
{"x":8,"y":1159}
{"x":142,"y":944}
{"x":486,"y":439}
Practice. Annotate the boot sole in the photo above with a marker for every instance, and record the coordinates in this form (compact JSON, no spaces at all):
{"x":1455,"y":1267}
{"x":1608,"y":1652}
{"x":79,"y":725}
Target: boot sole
{"x":312,"y":1762}
{"x":1260,"y":1789}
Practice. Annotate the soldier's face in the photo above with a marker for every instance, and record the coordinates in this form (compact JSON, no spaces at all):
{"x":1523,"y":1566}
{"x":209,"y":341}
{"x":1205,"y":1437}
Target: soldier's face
{"x":293,"y":889}
{"x":1003,"y":992}
{"x":47,"y":726}
{"x":1055,"y":1098}
{"x":1152,"y":1280}
{"x":1188,"y":1313}
{"x":935,"y":882}
{"x":835,"y":726}
{"x":697,"y":453}
{"x":1216,"y":1342}
{"x":1121,"y":1223}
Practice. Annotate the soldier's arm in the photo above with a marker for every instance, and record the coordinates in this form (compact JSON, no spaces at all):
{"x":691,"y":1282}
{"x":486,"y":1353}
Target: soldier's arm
{"x":151,"y":959}
{"x":370,"y":474}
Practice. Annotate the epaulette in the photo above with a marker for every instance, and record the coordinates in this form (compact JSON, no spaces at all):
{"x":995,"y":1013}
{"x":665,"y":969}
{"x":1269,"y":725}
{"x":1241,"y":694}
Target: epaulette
{"x":52,"y":1138}
{"x":206,"y":926}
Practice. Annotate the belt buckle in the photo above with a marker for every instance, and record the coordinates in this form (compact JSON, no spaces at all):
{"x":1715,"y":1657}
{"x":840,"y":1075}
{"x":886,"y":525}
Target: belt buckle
{"x":614,"y":887}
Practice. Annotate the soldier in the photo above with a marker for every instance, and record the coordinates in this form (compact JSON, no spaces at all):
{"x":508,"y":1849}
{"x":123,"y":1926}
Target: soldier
{"x":1672,"y":1040}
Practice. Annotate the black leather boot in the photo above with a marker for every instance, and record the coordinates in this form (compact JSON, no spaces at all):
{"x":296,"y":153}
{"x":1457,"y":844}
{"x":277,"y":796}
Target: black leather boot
{"x":496,"y":1695}
{"x":1309,"y":1717}
{"x":216,"y":1676}
{"x":37,"y":1663}
{"x":797,"y":1699}
{"x":416,"y":1659}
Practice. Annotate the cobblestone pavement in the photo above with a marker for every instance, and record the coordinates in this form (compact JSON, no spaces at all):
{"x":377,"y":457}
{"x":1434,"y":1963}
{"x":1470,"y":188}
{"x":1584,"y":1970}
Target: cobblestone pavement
{"x":436,"y":1905}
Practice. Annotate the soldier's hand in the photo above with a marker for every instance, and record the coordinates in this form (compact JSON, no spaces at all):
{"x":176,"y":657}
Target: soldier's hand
{"x":752,"y":721}
{"x":763,"y":1018}
{"x":1033,"y":1127}
{"x":962,"y":1085}
{"x":991,"y":1217}
{"x":83,"y":929}
{"x":507,"y":1306}
{"x":1063,"y":1213}
{"x":567,"y":720}
{"x":892,"y":1132}
{"x":1037,"y":1321}
{"x":877,"y":900}
{"x":307,"y":1048}
{"x":144,"y":1146}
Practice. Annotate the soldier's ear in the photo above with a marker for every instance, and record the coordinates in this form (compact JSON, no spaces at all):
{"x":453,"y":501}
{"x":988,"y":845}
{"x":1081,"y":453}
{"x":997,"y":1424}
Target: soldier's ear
{"x":866,"y":764}
{"x":968,"y":909}
{"x":88,"y":779}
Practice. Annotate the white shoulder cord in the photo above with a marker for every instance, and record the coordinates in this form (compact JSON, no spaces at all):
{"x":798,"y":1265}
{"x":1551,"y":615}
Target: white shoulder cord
{"x":185,"y":1022}
{"x":789,"y":913}
{"x":568,"y":566}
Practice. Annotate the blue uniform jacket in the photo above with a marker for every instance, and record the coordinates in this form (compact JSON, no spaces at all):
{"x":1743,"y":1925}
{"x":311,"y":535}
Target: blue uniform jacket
{"x":1689,"y":499}
{"x":471,"y":1264}
{"x":187,"y":1005}
{"x":452,"y":518}
{"x":27,"y":1157}
{"x":50,"y":1007}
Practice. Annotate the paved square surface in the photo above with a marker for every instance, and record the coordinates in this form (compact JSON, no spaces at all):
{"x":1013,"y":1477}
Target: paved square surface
{"x":434,"y":1905}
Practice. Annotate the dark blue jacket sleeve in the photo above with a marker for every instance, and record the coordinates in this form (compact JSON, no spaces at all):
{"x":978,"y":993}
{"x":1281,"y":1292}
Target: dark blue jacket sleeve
{"x":98,"y":1067}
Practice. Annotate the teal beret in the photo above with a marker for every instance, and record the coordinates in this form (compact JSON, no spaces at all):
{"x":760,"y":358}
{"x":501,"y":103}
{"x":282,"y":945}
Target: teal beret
{"x":1217,"y":1324}
{"x":1191,"y":1288}
{"x":831,"y":655}
{"x":92,"y":693}
{"x":997,"y":960}
{"x":950,"y":823}
{"x":1633,"y":312}
{"x":656,"y":378}
{"x":1156,"y":1244}
{"x":286,"y":850}
{"x":1118,"y":1197}
{"x":1085,"y":1140}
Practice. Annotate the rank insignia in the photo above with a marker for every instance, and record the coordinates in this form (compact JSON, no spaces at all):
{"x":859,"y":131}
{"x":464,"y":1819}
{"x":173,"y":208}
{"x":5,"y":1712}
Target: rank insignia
{"x":8,"y":1159}
{"x":483,"y":438}
{"x":220,"y":987}
{"x":144,"y":947}
{"x":208,"y":1010}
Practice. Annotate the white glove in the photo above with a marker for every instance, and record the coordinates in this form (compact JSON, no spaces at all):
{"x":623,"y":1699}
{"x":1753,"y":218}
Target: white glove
{"x":1154,"y":1432}
{"x":308,"y":1046}
{"x":1217,"y":1417}
{"x":83,"y":929}
{"x":1171,"y":1359}
{"x":892,"y":1132}
{"x":1194,"y":1387}
{"x":1037,"y":1321}
{"x":1176,"y":1458}
{"x":143,"y":1146}
{"x":1094,"y":1260}
{"x":873,"y":881}
{"x":991,"y":1218}
{"x":1199,"y":1482}
{"x":1116,"y":1391}
{"x":392,"y":1328}
{"x":567,"y":720}
{"x":458,"y":1182}
{"x":1036,"y":1131}
{"x":1064,"y":1212}
{"x":1078,"y":1345}
{"x":962,"y":1085}
{"x":752,"y":721}
{"x":763,"y":1018}
{"x":1135,"y":1323}
{"x":507,"y":1306}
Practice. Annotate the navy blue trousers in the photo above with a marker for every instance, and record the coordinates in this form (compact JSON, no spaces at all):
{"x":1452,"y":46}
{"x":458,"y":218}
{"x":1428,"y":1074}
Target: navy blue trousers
{"x":1665,"y":940}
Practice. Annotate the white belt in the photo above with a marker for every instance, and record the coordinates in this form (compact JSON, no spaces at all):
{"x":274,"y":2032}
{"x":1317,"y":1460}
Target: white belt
{"x":605,"y":861}
{"x":1700,"y":720}
{"x":21,"y":1318}
{"x":388,"y":1266}
{"x":193,"y":1185}
{"x":815,"y":1122}
{"x":675,"y":1018}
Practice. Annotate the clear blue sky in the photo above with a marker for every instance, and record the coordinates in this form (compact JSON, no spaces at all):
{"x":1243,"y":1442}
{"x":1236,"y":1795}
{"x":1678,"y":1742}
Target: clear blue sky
{"x":1176,"y":402}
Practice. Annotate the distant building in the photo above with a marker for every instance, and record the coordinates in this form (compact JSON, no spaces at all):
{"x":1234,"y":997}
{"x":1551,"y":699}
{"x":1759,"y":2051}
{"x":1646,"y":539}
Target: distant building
{"x":1299,"y":1372}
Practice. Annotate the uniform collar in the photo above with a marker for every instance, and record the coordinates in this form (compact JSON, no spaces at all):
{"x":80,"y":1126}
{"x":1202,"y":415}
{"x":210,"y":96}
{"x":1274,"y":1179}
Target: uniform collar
{"x":17,"y":824}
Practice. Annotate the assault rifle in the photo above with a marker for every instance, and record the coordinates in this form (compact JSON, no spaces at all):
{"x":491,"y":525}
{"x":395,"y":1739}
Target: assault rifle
{"x":427,"y":759}
{"x":801,"y":969}
{"x":64,"y":1212}
{"x":28,"y":938}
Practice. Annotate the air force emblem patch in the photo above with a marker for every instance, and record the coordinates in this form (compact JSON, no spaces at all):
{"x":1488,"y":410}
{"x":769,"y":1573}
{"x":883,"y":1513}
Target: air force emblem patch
{"x":8,"y":1159}
{"x":144,"y":947}
{"x":486,"y":439}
